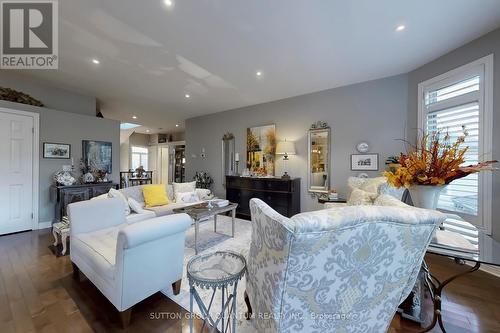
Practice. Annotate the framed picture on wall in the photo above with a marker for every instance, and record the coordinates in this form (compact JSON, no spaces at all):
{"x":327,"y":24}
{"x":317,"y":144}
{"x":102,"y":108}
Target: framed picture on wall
{"x":261,"y":149}
{"x":364,"y":162}
{"x":97,"y":155}
{"x":56,"y":150}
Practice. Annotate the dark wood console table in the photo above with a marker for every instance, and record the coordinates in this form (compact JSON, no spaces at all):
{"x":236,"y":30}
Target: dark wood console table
{"x":64,"y":195}
{"x":283,"y":195}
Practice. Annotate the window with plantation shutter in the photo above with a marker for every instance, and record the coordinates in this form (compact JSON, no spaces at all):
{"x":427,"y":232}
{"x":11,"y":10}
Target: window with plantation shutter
{"x":458,"y":101}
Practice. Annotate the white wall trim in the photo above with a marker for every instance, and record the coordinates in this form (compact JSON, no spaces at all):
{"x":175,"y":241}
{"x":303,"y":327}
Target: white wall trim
{"x":36,"y":159}
{"x":493,"y":270}
{"x":486,"y":123}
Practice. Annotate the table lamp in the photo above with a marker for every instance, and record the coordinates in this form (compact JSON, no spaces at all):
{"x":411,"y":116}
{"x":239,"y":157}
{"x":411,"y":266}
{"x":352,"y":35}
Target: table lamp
{"x":285,"y":148}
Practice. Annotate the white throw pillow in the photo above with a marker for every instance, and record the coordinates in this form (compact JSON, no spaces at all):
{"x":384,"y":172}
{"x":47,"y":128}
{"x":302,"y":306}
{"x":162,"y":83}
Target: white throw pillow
{"x":204,"y":193}
{"x":100,"y":197}
{"x":361,"y":198}
{"x":117,"y":194}
{"x":183,"y":187}
{"x":389,"y":200}
{"x":187,"y":197}
{"x":372,"y":184}
{"x":135,"y":206}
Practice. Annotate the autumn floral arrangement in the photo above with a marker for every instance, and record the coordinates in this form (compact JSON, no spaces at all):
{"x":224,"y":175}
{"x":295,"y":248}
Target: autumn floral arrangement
{"x":436,"y":160}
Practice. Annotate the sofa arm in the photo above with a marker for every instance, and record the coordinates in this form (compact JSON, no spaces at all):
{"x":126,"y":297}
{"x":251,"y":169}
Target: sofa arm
{"x":146,"y":231}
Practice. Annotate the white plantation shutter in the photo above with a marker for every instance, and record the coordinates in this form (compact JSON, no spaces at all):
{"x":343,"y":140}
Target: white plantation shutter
{"x":457,"y":100}
{"x":462,"y":195}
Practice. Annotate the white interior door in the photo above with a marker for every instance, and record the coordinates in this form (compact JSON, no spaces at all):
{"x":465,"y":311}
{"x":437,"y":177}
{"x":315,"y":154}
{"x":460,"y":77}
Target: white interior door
{"x":16,"y":172}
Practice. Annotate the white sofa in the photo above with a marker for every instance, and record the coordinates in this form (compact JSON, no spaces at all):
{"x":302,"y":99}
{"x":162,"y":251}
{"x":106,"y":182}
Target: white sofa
{"x":335,"y":270}
{"x":126,"y":262}
{"x":135,"y":192}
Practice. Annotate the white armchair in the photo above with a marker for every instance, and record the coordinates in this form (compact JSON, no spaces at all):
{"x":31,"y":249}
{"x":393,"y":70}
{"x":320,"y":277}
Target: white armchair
{"x":334,"y":270}
{"x":127,"y":263}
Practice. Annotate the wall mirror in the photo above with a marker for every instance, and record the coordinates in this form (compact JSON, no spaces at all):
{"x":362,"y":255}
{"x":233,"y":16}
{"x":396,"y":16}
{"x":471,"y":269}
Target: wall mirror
{"x":319,"y":158}
{"x":228,"y":162}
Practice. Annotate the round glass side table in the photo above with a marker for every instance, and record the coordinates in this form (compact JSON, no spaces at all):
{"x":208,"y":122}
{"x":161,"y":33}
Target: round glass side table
{"x":217,"y":271}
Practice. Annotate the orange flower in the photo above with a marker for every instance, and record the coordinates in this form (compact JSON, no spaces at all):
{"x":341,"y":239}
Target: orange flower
{"x":435,"y":161}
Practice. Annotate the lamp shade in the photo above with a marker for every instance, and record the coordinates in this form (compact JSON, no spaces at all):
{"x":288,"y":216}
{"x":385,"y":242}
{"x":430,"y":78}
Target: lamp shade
{"x":285,"y":148}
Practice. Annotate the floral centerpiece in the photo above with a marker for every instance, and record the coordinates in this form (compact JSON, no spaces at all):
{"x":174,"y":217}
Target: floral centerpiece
{"x":435,"y":162}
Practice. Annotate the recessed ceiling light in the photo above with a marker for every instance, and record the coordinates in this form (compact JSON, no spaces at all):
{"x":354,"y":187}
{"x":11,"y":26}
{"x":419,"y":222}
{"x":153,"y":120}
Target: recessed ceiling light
{"x":187,"y":96}
{"x":168,"y":3}
{"x":147,"y":131}
{"x":134,"y":117}
{"x":400,"y":27}
{"x":176,"y":125}
{"x":259,"y":73}
{"x":95,"y":61}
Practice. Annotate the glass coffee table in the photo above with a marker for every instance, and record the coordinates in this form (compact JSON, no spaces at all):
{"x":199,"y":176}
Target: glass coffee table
{"x":217,"y":271}
{"x":206,"y":210}
{"x":478,"y":249}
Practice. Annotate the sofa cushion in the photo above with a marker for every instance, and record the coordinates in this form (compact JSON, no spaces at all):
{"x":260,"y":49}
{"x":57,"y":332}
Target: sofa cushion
{"x":183,"y":187}
{"x":155,"y":195}
{"x":187,"y":197}
{"x":170,"y":193}
{"x":134,"y":192}
{"x":361,"y":198}
{"x":100,"y":197}
{"x":117,"y":194}
{"x":137,"y":217}
{"x":135,"y":206}
{"x":100,"y":249}
{"x":372,"y":184}
{"x":389,"y":200}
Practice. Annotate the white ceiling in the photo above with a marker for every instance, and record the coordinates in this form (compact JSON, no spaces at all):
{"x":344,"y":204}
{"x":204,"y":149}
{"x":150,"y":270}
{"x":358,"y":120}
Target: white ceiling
{"x":151,"y":55}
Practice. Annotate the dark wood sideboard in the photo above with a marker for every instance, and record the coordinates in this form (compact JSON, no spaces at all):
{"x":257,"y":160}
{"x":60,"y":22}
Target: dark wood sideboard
{"x":283,"y":195}
{"x":64,"y":195}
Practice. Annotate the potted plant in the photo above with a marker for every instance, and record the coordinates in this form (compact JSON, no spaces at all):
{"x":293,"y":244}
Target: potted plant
{"x":430,"y":166}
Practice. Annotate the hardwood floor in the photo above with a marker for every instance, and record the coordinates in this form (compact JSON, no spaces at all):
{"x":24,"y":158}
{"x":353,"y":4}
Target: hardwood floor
{"x":38,"y":294}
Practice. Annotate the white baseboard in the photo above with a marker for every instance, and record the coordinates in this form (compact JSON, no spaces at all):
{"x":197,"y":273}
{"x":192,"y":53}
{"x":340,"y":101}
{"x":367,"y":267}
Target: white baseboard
{"x":493,"y":270}
{"x":44,"y":225}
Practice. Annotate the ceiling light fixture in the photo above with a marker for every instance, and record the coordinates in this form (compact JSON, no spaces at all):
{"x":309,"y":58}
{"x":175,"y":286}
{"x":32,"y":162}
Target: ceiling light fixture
{"x":95,"y":61}
{"x":134,"y":117}
{"x":187,"y":96}
{"x":168,"y":3}
{"x":176,"y":125}
{"x":147,"y":131}
{"x":400,"y":27}
{"x":259,"y":73}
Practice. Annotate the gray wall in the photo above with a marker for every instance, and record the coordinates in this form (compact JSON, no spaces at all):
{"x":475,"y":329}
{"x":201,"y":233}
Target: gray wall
{"x":51,"y":97}
{"x":72,"y":128}
{"x":139,"y":139}
{"x":373,"y":111}
{"x":483,"y":46}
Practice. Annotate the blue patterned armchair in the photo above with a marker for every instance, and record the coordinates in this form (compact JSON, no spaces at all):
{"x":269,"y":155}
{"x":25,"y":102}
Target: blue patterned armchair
{"x":334,"y":270}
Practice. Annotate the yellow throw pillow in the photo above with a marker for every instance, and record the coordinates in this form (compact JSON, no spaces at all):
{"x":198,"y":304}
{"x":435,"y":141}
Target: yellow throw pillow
{"x":155,"y":195}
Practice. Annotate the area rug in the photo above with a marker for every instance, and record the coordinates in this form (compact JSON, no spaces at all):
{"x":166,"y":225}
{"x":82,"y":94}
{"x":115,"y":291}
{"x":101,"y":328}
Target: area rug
{"x":209,"y":241}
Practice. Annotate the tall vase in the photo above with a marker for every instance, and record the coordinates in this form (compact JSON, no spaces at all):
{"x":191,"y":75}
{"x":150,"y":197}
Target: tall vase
{"x":425,"y":196}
